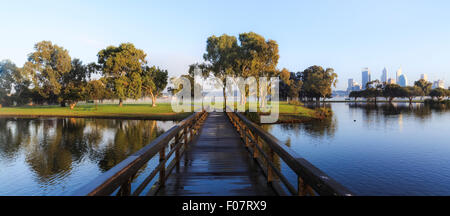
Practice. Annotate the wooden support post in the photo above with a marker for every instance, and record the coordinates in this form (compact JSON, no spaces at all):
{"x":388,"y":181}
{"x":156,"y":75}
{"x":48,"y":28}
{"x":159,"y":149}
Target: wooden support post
{"x":162,"y":171}
{"x":255,"y":149}
{"x":178,"y":146}
{"x":191,"y":134}
{"x":185,"y":134}
{"x":270,"y":174}
{"x":301,"y":187}
{"x":125,"y":189}
{"x":247,"y":131}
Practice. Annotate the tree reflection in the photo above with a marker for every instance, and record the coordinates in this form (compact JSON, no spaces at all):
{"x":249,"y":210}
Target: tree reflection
{"x":315,"y":128}
{"x":421,"y":111}
{"x":53,"y":147}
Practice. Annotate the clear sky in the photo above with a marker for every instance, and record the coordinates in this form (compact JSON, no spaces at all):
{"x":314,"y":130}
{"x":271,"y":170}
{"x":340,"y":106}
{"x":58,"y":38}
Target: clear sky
{"x":342,"y":34}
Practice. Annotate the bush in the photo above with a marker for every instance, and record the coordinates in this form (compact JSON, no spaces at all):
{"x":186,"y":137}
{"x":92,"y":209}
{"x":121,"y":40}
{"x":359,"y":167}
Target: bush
{"x":324,"y":112}
{"x":253,"y":116}
{"x":434,"y":102}
{"x":296,"y":103}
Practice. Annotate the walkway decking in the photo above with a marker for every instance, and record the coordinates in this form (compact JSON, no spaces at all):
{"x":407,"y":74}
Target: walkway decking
{"x":217,"y":164}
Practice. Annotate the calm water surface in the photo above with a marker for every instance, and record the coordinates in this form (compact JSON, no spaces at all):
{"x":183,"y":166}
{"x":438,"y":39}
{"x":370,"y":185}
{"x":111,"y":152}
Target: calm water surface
{"x":377,"y":150}
{"x":57,"y":156}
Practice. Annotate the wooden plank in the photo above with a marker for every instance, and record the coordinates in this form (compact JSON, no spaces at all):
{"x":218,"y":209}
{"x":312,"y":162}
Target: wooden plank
{"x":217,"y":164}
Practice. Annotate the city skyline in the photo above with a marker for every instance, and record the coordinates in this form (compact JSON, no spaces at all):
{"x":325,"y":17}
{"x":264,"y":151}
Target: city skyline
{"x":400,"y":78}
{"x":346,"y":36}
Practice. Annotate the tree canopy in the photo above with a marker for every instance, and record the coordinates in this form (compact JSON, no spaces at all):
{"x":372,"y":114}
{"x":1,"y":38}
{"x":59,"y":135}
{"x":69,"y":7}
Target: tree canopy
{"x":50,"y":76}
{"x":47,"y":66}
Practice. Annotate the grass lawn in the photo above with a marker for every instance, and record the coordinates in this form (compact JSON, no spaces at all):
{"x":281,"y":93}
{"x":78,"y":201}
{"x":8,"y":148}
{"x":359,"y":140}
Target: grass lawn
{"x":162,"y":111}
{"x":287,"y":111}
{"x":139,"y":111}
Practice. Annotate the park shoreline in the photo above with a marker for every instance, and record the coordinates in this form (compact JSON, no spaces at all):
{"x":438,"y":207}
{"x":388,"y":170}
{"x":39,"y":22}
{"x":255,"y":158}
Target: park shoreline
{"x":158,"y":117}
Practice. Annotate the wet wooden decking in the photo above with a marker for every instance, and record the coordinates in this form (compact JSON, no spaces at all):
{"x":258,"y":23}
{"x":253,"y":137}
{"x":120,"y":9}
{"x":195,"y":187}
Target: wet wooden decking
{"x":217,"y":164}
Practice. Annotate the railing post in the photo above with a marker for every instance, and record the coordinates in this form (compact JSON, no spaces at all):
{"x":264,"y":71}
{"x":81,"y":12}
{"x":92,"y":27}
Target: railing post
{"x":125,"y":189}
{"x":247,"y":131}
{"x":301,"y":187}
{"x":270,"y":173}
{"x":177,"y":151}
{"x":185,"y":134}
{"x":191,"y":132}
{"x":241,"y":129}
{"x":255,"y":149}
{"x":162,"y":172}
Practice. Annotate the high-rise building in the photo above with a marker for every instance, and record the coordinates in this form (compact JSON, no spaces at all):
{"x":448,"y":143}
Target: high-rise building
{"x":365,"y":77}
{"x":353,"y":86}
{"x":384,"y":76}
{"x":424,"y":77}
{"x":438,"y":84}
{"x":391,"y":81}
{"x":356,"y":87}
{"x":403,"y":80}
{"x":350,"y":84}
{"x":399,"y":73}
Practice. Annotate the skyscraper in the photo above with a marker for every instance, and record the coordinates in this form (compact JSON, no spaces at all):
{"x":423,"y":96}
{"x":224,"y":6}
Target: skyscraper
{"x":424,"y":77}
{"x":365,"y":77}
{"x":384,"y":76}
{"x":391,"y":81}
{"x":438,"y":84}
{"x":399,"y":73}
{"x":403,"y":80}
{"x":350,"y":84}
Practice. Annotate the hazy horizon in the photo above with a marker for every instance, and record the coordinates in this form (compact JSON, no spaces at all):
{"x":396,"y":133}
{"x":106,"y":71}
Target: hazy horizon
{"x":345,"y":35}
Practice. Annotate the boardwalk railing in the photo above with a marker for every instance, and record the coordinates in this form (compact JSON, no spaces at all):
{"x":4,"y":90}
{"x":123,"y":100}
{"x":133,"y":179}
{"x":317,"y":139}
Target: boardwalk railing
{"x":265,"y":149}
{"x":119,"y":178}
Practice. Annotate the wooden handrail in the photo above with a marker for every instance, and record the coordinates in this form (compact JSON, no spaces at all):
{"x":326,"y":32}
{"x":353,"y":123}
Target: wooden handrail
{"x":311,"y":180}
{"x":121,"y":176}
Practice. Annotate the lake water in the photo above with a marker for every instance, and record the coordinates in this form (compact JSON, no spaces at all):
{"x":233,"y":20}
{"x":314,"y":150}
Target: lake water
{"x":372,"y":150}
{"x":55,"y":156}
{"x":377,"y":150}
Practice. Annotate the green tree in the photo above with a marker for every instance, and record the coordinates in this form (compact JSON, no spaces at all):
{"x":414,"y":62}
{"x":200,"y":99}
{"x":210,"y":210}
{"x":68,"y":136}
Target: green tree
{"x":154,"y":81}
{"x":96,"y":90}
{"x":123,"y":67}
{"x":392,"y":91}
{"x":74,"y":83}
{"x":220,"y":55}
{"x":355,"y":94}
{"x":439,"y":93}
{"x":290,"y":85}
{"x":424,"y":85}
{"x":412,"y":92}
{"x":47,"y":66}
{"x":7,"y":72}
{"x":374,"y":89}
{"x":317,"y":82}
{"x":257,"y":57}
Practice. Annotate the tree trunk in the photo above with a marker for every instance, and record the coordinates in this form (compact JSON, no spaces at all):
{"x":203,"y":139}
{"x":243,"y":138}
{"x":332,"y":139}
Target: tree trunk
{"x":120,"y":102}
{"x":153,"y":101}
{"x":1,"y":106}
{"x":63,"y":103}
{"x":72,"y":105}
{"x":224,"y":100}
{"x":96,"y":104}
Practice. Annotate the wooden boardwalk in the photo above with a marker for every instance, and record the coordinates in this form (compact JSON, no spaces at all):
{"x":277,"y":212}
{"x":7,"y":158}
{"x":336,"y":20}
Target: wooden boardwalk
{"x":217,"y":164}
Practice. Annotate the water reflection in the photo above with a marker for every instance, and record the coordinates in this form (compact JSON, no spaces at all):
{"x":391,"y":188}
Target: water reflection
{"x":55,"y":151}
{"x":383,"y":149}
